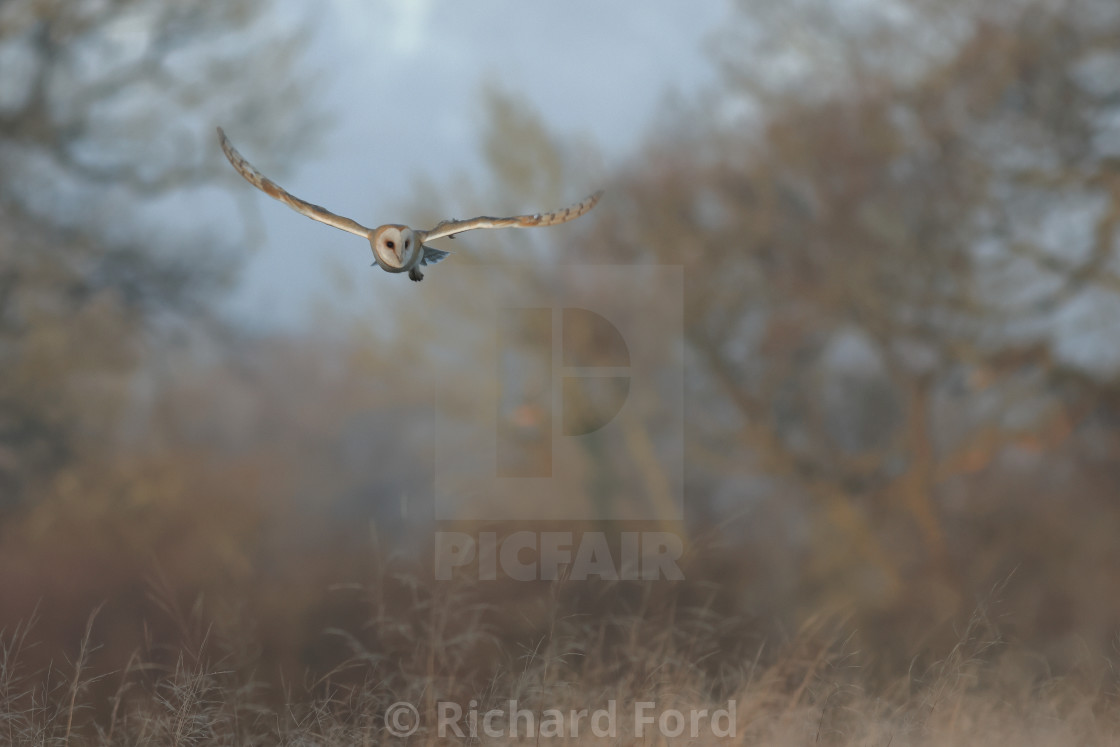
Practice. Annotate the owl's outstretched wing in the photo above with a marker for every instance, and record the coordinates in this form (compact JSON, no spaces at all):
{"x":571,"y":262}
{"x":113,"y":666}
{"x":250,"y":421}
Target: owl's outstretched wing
{"x":271,"y":188}
{"x":452,"y":227}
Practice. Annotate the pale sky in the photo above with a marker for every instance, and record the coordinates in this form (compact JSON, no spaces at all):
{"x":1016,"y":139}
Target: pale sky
{"x":403,"y":93}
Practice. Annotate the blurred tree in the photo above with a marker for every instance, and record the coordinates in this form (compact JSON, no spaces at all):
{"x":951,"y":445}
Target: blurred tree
{"x":105,"y":106}
{"x":885,"y":280}
{"x":896,"y":283}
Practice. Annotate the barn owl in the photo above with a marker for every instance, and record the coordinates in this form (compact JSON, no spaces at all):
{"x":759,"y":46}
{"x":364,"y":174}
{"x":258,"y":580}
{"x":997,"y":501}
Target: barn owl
{"x":398,"y":248}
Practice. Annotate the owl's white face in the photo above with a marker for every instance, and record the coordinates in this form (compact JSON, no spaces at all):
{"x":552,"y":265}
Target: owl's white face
{"x":396,"y":248}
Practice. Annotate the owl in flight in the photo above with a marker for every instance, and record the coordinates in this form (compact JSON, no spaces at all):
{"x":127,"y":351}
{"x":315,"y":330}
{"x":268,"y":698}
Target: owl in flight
{"x":398,"y":248}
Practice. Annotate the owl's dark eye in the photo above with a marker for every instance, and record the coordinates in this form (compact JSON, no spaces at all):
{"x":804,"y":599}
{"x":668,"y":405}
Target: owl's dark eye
{"x":406,"y":243}
{"x":390,"y":244}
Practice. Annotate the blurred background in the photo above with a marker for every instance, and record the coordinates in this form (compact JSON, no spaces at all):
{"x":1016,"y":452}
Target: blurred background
{"x":899,"y":223}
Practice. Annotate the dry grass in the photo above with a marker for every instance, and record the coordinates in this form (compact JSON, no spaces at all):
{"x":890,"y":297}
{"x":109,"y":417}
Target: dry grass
{"x":450,"y":644}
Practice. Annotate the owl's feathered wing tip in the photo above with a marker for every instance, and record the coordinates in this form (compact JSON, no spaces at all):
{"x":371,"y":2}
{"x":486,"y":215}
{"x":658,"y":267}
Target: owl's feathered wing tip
{"x":274,"y":190}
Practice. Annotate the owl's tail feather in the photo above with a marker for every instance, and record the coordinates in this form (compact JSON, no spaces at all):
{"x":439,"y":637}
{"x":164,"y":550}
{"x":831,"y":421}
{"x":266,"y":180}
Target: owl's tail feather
{"x":432,"y":256}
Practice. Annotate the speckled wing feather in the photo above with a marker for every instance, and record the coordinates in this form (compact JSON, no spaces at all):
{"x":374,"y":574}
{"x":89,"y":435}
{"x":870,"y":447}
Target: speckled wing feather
{"x":271,"y":188}
{"x":451,"y":227}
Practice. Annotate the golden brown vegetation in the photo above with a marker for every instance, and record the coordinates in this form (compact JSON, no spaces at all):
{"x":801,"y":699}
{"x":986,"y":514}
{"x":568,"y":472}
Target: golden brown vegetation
{"x":566,"y":646}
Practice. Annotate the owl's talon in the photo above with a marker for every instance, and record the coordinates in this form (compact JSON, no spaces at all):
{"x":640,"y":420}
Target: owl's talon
{"x":415,"y":274}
